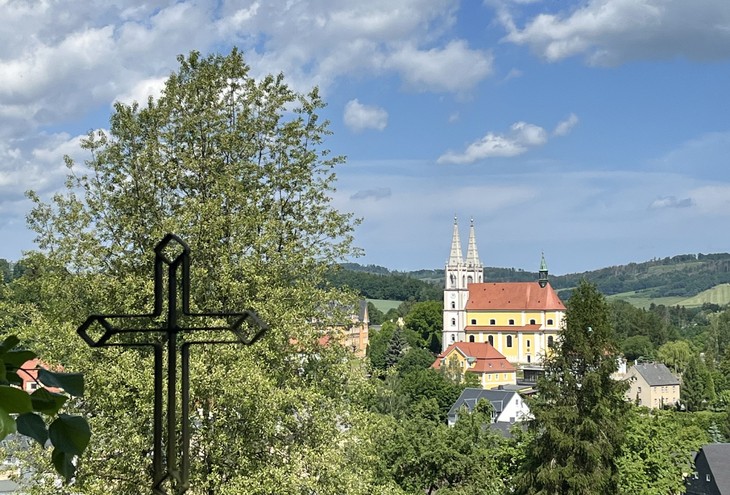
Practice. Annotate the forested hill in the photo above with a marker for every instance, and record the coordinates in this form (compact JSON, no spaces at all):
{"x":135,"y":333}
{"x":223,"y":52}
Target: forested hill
{"x":683,"y":275}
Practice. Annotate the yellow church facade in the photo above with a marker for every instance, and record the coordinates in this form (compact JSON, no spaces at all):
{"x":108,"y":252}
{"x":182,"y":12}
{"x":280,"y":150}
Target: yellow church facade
{"x":521,"y":320}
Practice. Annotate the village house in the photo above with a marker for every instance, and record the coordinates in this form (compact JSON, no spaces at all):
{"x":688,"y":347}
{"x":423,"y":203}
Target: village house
{"x":507,"y":405}
{"x":480,"y":359}
{"x":712,"y":471}
{"x":652,"y":385}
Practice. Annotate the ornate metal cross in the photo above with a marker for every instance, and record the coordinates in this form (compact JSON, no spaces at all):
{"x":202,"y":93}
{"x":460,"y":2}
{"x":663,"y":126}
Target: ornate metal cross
{"x":168,"y":468}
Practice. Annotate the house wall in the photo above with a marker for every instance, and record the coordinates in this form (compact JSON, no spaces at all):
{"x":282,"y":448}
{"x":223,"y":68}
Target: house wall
{"x":514,"y":410}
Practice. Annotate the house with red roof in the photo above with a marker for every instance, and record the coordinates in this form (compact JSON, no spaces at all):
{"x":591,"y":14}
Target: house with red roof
{"x":521,"y":320}
{"x":480,"y":359}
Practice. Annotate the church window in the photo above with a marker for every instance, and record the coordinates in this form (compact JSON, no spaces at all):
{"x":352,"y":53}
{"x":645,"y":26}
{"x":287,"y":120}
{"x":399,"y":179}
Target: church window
{"x":473,"y":321}
{"x":491,"y":340}
{"x":471,"y":338}
{"x":532,"y":321}
{"x":452,"y":337}
{"x":550,"y":341}
{"x":528,"y":358}
{"x":453,"y":305}
{"x":550,"y":322}
{"x":512,"y":322}
{"x":509,"y":341}
{"x":492,"y":321}
{"x":453,"y":280}
{"x":528,"y":344}
{"x":469,"y":279}
{"x":453,"y":322}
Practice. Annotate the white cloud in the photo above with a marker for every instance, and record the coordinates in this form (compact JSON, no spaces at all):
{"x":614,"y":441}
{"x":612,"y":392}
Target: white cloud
{"x":563,"y":128}
{"x":453,"y":68}
{"x":609,"y":32}
{"x":671,"y":202}
{"x":359,"y":117}
{"x":142,"y":90}
{"x":522,"y":136}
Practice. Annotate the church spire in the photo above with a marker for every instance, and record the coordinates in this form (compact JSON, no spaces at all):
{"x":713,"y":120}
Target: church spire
{"x":543,"y":275}
{"x":455,"y":258}
{"x":472,"y":256}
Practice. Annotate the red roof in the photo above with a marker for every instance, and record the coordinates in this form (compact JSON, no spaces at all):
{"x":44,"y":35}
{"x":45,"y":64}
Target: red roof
{"x":488,"y":359}
{"x":502,"y":328}
{"x":513,"y":296}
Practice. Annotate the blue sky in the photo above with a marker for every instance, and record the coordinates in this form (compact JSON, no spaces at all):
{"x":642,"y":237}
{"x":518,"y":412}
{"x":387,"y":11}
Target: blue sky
{"x":597,"y":132}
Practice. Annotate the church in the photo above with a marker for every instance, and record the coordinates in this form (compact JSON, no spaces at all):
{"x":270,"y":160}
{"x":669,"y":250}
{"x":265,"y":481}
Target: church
{"x":521,"y":320}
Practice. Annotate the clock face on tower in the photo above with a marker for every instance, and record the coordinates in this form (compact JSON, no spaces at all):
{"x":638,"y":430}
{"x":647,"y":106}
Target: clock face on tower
{"x":453,"y":296}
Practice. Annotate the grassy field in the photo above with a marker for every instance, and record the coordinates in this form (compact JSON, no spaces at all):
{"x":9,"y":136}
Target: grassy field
{"x":384,"y":304}
{"x":642,"y":300}
{"x":720,"y":294}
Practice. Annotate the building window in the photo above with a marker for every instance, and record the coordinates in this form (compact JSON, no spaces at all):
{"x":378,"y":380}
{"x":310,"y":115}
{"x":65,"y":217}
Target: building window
{"x":453,"y":322}
{"x":491,"y":340}
{"x":639,"y":389}
{"x":532,"y":321}
{"x":528,"y":358}
{"x":708,"y":478}
{"x":509,"y":341}
{"x":512,"y":322}
{"x":473,"y":321}
{"x":550,"y":341}
{"x":453,"y":305}
{"x":471,"y":338}
{"x":528,"y":344}
{"x":452,"y":337}
{"x":550,"y":322}
{"x":492,"y":322}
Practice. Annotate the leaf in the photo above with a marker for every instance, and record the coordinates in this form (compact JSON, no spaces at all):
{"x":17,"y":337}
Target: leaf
{"x":47,"y":402}
{"x":31,"y":425}
{"x":63,"y":462}
{"x":70,"y":434}
{"x":9,"y":342}
{"x":17,"y":358}
{"x":14,"y":400}
{"x":7,"y":424}
{"x":71,"y":383}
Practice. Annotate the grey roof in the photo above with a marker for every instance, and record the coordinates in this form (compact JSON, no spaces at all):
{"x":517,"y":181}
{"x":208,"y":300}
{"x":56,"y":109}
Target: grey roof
{"x":656,"y":374}
{"x":470,"y":396}
{"x":718,"y":458}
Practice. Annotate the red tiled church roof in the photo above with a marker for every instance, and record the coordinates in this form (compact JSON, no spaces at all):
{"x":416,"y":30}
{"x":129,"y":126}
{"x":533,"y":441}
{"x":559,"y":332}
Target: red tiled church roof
{"x":488,"y":359}
{"x":513,"y":296}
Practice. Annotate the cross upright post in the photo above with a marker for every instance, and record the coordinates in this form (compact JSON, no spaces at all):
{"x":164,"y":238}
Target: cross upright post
{"x":170,"y":469}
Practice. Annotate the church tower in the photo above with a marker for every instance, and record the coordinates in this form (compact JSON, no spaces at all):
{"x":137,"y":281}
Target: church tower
{"x":459,"y":274}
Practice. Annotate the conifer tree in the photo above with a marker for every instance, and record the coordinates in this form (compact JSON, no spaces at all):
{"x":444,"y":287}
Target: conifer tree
{"x":579,"y":412}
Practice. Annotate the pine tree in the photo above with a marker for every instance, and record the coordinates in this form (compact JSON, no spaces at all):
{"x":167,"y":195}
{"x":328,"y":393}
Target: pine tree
{"x":697,"y":386}
{"x":579,"y":412}
{"x":396,"y":348}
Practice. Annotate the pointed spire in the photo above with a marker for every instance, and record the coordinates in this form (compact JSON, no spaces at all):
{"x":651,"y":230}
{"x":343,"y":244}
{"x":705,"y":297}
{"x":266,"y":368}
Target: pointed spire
{"x":543,"y":275}
{"x":472,"y":256}
{"x":455,"y":258}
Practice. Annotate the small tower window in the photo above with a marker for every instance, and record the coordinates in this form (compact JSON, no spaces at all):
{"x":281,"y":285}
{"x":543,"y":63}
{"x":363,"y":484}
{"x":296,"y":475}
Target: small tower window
{"x":532,"y":321}
{"x":453,"y":280}
{"x":509,"y":341}
{"x":452,"y":337}
{"x":473,"y":321}
{"x":528,"y":358}
{"x":491,"y":340}
{"x":471,"y":338}
{"x":528,"y":344}
{"x":453,"y":322}
{"x":453,"y":305}
{"x":512,"y":322}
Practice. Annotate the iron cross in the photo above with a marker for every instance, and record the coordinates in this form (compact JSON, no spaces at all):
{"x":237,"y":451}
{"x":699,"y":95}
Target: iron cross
{"x":170,"y":469}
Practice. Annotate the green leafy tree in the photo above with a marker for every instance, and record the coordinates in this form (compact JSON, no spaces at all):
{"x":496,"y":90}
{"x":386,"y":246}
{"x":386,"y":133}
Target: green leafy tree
{"x":579,"y":413}
{"x":376,"y":317}
{"x":426,"y":320}
{"x":697,"y":389}
{"x":414,"y":359}
{"x":28,"y":414}
{"x":238,"y":168}
{"x":676,"y":355}
{"x":637,"y":346}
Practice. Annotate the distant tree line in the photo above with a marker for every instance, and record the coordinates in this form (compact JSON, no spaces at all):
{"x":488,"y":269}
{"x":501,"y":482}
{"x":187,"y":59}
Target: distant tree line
{"x":394,"y":286}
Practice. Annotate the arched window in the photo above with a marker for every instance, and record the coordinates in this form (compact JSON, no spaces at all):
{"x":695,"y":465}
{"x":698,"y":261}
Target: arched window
{"x":550,"y":322}
{"x":471,"y":338}
{"x":452,"y":337}
{"x":491,"y":340}
{"x":532,"y":322}
{"x":550,"y":341}
{"x":509,"y":341}
{"x":469,"y":279}
{"x":453,"y":305}
{"x":453,"y":322}
{"x":528,"y":358}
{"x":453,"y":280}
{"x":528,"y":344}
{"x":512,"y":322}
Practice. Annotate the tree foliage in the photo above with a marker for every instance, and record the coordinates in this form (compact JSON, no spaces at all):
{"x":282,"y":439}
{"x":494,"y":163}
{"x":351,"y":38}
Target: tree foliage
{"x":579,"y":413}
{"x":237,"y":167}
